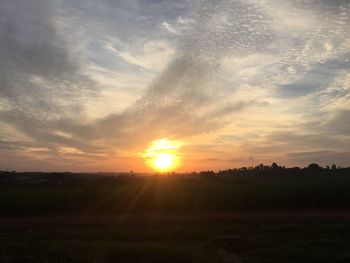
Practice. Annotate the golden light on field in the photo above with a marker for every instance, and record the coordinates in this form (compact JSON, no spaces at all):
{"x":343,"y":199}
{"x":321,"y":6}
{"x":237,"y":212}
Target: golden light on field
{"x":162,"y":155}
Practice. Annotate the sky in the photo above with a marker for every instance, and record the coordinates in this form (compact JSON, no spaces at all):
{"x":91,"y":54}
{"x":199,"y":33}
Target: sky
{"x":88,"y":85}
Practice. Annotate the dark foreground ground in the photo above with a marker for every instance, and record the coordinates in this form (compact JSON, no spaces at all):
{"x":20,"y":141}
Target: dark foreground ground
{"x":308,"y":236}
{"x":67,"y":218}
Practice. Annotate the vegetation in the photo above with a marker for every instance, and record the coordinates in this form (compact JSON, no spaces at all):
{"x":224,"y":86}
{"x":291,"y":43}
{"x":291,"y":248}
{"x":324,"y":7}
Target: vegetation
{"x":247,"y":238}
{"x":197,"y":217}
{"x":265,"y":188}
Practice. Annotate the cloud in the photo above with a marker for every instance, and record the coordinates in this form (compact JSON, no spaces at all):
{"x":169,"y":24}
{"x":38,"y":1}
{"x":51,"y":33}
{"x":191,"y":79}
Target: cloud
{"x":41,"y":81}
{"x":307,"y":154}
{"x":182,"y":101}
{"x":321,"y":157}
{"x":90,"y":79}
{"x":338,"y":124}
{"x":318,"y":77}
{"x":152,"y":56}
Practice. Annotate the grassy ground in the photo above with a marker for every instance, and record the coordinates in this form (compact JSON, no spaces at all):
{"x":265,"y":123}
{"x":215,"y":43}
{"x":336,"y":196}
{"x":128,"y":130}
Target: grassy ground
{"x":178,"y":220}
{"x":178,"y":195}
{"x":204,"y":237}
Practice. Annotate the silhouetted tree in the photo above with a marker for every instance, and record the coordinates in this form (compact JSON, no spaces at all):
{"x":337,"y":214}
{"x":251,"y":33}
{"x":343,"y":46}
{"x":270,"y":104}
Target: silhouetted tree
{"x":314,"y":167}
{"x":274,"y":166}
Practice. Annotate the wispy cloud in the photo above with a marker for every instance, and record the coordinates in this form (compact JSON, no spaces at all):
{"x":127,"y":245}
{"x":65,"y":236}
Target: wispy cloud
{"x":85,"y":79}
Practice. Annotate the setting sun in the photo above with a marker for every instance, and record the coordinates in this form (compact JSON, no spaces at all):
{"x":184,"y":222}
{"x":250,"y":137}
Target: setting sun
{"x":162,"y":155}
{"x":163,"y":161}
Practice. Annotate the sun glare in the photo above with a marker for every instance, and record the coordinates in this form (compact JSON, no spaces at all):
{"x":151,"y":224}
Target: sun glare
{"x":162,"y":155}
{"x":163,"y":161}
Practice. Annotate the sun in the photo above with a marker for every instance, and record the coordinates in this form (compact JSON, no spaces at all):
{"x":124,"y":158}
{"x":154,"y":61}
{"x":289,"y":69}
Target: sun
{"x":163,"y":155}
{"x":164,"y":161}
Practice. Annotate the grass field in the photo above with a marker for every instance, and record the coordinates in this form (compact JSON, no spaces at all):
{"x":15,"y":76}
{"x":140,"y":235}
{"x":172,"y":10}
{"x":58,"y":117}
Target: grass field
{"x":172,"y":219}
{"x":206,"y":237}
{"x":172,"y":194}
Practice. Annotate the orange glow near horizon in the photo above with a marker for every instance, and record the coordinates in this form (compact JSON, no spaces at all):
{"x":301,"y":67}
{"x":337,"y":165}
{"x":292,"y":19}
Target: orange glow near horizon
{"x":162,"y":155}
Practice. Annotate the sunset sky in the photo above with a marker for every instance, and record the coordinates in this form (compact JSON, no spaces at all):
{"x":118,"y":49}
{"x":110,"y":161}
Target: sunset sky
{"x":90,"y":85}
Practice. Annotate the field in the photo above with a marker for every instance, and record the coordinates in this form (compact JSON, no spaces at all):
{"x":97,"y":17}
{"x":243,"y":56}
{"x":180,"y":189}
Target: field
{"x":236,"y":237}
{"x":176,"y":194}
{"x":174,"y":219}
